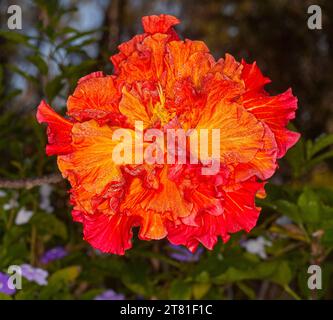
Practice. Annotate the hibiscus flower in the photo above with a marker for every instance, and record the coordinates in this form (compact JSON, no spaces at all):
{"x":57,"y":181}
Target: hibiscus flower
{"x":165,"y":82}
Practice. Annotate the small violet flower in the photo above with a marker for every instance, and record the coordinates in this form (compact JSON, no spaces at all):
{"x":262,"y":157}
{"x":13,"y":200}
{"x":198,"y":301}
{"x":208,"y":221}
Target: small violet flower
{"x":4,"y":287}
{"x":23,"y":216}
{"x":53,"y":254}
{"x":110,"y":295}
{"x":184,"y":255}
{"x":256,"y":246}
{"x":12,"y":203}
{"x":45,"y":203}
{"x":34,"y":274}
{"x":283,"y":220}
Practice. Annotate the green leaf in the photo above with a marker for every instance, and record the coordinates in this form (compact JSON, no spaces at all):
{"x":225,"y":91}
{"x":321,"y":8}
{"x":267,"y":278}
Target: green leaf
{"x":282,"y":275}
{"x":76,"y":37}
{"x":15,"y":37}
{"x":319,"y":144}
{"x":322,"y":157}
{"x":309,"y":205}
{"x":90,"y":294}
{"x":53,"y":87}
{"x":66,"y":275}
{"x":58,"y":286}
{"x":296,"y":158}
{"x":24,"y":74}
{"x":78,"y":70}
{"x":180,"y":290}
{"x":202,"y":285}
{"x":250,"y":293}
{"x":233,"y":275}
{"x":289,"y":209}
{"x":5,"y":296}
{"x":135,"y":278}
{"x":327,"y":238}
{"x":275,"y":271}
{"x":200,"y":290}
{"x":10,"y":95}
{"x":39,"y":63}
{"x":48,"y":224}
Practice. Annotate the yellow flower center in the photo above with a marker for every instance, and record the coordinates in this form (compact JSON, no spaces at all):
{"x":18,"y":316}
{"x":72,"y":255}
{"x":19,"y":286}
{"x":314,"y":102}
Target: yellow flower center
{"x":160,"y":112}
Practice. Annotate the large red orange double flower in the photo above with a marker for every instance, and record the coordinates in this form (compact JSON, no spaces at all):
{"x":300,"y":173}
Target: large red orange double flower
{"x":162,"y":81}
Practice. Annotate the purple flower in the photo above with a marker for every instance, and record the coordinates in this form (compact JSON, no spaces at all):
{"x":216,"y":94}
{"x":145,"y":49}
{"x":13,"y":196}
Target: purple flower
{"x":4,"y":288}
{"x":45,"y":192}
{"x":23,"y":216}
{"x":34,"y":274}
{"x":184,"y":255}
{"x":53,"y":254}
{"x":110,"y":295}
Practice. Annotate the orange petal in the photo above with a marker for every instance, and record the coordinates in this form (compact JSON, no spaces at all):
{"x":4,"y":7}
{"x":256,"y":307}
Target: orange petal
{"x":126,"y":49}
{"x":145,"y":63}
{"x":229,"y":67}
{"x":187,"y":59}
{"x":241,"y":134}
{"x":94,"y":98}
{"x":91,"y":164}
{"x":131,"y":106}
{"x":152,"y":225}
{"x":263,"y":165}
{"x":166,"y":199}
{"x":159,"y":24}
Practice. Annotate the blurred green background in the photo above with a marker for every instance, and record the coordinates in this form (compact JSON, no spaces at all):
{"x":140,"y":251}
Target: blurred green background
{"x":63,"y":40}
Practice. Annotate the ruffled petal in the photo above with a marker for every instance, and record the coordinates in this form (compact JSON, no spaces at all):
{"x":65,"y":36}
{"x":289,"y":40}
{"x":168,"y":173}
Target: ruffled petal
{"x":91,"y":163}
{"x":159,"y":24}
{"x":125,"y":50}
{"x":95,"y":97}
{"x":109,"y":234}
{"x":133,"y":109}
{"x":58,"y":130}
{"x":205,"y":232}
{"x":240,"y":211}
{"x":275,"y":111}
{"x":145,"y":62}
{"x":263,"y":165}
{"x":253,"y":78}
{"x":155,"y":206}
{"x":241,"y":134}
{"x":187,"y":59}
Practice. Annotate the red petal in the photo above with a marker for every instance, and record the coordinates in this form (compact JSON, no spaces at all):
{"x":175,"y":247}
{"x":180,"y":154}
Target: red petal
{"x":110,"y":234}
{"x":252,"y":76}
{"x":275,"y":111}
{"x":240,"y":211}
{"x":77,"y":216}
{"x":58,"y":131}
{"x":205,"y":232}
